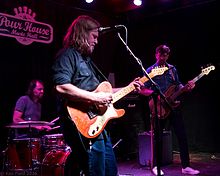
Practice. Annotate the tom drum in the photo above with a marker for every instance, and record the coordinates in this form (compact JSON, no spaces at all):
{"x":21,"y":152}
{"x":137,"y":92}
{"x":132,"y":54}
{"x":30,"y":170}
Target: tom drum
{"x":53,"y":141}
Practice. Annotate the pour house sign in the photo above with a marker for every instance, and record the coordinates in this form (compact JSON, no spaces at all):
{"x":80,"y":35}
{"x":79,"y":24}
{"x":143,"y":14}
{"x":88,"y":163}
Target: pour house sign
{"x":24,"y":28}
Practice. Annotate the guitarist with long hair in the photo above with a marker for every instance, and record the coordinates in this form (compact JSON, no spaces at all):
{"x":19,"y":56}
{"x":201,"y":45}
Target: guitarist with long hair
{"x":82,"y":93}
{"x":169,"y":83}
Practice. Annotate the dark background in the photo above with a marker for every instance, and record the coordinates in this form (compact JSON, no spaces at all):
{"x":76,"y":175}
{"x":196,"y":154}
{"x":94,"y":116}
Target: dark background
{"x":190,"y":29}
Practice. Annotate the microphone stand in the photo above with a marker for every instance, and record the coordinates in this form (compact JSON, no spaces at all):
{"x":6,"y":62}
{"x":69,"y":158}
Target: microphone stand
{"x":157,"y":130}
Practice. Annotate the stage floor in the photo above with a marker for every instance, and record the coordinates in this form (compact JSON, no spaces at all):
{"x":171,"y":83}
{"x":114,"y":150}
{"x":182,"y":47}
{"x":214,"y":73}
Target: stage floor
{"x":208,"y":165}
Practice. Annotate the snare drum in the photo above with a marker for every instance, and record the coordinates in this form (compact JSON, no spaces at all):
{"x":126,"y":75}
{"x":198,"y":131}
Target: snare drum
{"x":54,"y":162}
{"x":53,"y":141}
{"x":23,"y":153}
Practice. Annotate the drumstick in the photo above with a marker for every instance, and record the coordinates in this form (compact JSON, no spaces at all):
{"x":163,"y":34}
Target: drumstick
{"x":55,"y":120}
{"x":55,"y":127}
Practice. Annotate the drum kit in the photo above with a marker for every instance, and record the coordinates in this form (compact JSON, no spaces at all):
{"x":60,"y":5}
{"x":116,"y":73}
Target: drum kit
{"x":43,"y":156}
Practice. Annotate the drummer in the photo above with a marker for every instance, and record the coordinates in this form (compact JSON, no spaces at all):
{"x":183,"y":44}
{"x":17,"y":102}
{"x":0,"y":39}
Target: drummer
{"x":28,"y":108}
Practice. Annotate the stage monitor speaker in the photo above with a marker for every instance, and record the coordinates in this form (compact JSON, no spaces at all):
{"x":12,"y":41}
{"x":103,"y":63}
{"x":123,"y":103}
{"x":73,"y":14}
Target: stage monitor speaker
{"x":144,"y":140}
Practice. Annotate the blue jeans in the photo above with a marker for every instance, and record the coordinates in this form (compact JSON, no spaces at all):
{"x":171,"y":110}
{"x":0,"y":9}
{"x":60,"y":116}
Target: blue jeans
{"x":102,"y":160}
{"x":95,"y":160}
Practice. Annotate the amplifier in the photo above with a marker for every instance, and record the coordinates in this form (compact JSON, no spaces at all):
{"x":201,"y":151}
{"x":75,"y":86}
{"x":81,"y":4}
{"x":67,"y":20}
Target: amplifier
{"x":144,"y":143}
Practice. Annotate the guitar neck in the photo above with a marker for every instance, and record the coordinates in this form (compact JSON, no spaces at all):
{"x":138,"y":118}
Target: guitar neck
{"x":198,"y":77}
{"x":126,"y":90}
{"x":177,"y":93}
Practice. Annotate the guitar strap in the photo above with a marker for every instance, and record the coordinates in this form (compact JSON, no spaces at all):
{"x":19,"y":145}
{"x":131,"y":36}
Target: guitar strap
{"x":96,"y":70}
{"x":171,"y":72}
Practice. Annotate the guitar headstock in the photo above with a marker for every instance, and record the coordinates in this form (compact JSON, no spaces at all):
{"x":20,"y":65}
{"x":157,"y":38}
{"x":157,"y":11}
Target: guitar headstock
{"x":158,"y":70}
{"x":208,"y":69}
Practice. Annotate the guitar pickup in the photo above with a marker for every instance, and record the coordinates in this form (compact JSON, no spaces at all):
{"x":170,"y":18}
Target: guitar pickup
{"x":91,"y":114}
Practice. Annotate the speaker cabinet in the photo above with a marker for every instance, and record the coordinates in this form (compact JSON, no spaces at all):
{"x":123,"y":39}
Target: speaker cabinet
{"x":144,"y":140}
{"x":126,"y":129}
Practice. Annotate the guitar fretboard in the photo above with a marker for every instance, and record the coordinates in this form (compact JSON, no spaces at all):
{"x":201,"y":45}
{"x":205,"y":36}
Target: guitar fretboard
{"x":198,"y":77}
{"x":126,"y":90}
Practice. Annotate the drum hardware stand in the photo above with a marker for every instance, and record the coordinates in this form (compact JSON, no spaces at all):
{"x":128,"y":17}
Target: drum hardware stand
{"x":30,"y":147}
{"x":33,"y":165}
{"x":6,"y":164}
{"x":116,"y":143}
{"x":5,"y":161}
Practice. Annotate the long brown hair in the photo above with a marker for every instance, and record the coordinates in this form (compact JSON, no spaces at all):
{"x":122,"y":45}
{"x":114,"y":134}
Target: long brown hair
{"x":78,"y":33}
{"x":31,"y":87}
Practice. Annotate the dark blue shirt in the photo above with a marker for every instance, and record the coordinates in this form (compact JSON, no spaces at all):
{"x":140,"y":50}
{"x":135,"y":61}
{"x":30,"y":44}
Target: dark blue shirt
{"x":71,"y":67}
{"x":164,"y":81}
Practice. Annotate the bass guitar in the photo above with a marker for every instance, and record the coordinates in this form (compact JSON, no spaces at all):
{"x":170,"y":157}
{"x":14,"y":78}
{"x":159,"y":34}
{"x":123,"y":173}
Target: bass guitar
{"x":91,"y":120}
{"x":171,"y":95}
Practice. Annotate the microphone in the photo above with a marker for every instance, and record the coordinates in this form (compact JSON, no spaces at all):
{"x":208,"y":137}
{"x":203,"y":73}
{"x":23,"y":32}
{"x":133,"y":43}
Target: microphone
{"x":108,"y":29}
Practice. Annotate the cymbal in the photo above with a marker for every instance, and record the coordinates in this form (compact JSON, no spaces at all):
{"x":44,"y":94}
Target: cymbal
{"x":27,"y":124}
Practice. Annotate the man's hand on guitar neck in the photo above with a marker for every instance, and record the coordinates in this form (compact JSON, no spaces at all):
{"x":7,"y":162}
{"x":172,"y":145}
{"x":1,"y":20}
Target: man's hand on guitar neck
{"x":137,"y":84}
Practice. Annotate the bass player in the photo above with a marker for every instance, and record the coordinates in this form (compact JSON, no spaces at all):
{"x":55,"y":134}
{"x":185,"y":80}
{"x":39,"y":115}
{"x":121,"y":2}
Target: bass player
{"x":165,"y":81}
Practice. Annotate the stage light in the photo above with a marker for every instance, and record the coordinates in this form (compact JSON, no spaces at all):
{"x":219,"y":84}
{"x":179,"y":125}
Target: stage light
{"x":89,"y":1}
{"x":137,"y":2}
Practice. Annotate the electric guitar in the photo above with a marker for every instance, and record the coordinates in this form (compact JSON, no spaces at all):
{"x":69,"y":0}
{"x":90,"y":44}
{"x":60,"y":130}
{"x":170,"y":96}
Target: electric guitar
{"x":91,"y":120}
{"x":171,"y":95}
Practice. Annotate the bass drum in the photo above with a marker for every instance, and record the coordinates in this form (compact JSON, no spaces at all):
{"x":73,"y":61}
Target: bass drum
{"x":54,"y":162}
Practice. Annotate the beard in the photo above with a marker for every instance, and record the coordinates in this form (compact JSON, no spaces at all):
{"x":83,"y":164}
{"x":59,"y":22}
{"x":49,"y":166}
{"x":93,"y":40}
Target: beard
{"x":87,"y":50}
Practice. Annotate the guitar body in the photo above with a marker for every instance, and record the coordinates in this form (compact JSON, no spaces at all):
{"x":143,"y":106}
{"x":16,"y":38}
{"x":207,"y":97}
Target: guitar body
{"x":163,"y":109}
{"x":170,"y":94}
{"x":91,"y":120}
